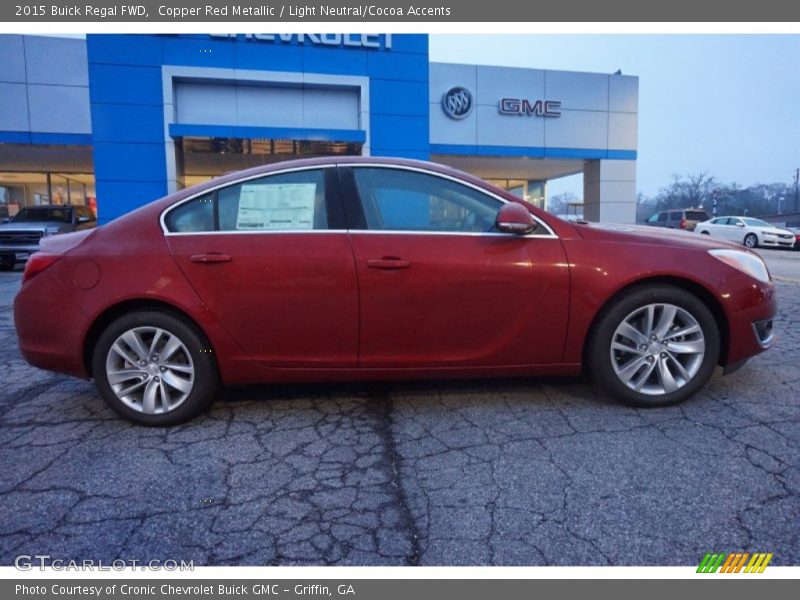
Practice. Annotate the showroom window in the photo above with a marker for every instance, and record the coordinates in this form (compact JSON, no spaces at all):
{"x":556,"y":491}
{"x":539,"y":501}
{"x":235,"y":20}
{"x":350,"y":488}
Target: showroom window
{"x":401,"y":200}
{"x":283,"y":202}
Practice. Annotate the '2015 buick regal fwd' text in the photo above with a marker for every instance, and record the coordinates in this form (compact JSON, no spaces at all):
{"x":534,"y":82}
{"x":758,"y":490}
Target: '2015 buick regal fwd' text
{"x":350,"y":268}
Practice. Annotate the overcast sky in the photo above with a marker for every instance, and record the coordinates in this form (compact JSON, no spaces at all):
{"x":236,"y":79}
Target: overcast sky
{"x":725,"y":104}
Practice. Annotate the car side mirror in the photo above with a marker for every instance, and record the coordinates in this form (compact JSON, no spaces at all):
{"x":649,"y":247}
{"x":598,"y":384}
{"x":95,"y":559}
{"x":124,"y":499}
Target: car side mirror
{"x":83,"y":219}
{"x":514,"y":218}
{"x":740,"y":224}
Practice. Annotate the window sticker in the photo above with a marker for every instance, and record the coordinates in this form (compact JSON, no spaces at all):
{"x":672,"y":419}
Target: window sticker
{"x":276,"y":206}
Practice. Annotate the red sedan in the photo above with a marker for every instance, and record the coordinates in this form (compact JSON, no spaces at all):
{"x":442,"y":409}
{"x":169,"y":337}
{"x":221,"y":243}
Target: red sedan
{"x":356,"y":268}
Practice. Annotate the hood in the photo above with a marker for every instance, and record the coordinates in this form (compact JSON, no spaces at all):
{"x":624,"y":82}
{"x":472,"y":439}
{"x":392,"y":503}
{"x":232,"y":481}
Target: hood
{"x":31,"y":226}
{"x":642,"y":234}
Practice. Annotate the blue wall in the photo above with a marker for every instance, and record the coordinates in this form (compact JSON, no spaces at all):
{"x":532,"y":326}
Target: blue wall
{"x":127,"y":99}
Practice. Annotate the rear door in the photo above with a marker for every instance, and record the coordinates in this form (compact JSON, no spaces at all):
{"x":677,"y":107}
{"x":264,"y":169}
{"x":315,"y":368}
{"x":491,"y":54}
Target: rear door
{"x":271,"y":259}
{"x":440,"y":288}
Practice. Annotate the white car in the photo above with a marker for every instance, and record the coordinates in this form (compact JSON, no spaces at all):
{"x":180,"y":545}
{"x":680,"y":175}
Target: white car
{"x":748,"y":231}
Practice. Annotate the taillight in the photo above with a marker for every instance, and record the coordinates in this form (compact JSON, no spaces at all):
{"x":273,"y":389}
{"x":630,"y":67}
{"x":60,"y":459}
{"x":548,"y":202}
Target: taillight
{"x":37,"y":263}
{"x":683,"y":223}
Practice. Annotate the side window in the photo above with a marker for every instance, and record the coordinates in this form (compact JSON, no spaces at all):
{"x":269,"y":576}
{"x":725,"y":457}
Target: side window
{"x":663,"y":217}
{"x":282,"y":202}
{"x":193,"y":217}
{"x":288,"y":201}
{"x":400,"y":200}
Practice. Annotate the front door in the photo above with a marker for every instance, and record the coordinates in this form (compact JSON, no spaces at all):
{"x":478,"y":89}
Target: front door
{"x":440,"y":288}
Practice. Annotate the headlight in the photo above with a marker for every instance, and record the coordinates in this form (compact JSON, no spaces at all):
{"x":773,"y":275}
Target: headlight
{"x":768,"y":233}
{"x":744,"y":261}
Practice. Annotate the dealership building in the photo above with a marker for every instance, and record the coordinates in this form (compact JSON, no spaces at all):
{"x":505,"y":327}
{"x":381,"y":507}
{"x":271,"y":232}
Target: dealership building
{"x":115,"y":121}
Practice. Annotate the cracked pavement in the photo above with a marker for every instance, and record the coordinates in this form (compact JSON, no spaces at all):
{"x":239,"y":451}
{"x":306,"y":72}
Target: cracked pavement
{"x":524,"y":472}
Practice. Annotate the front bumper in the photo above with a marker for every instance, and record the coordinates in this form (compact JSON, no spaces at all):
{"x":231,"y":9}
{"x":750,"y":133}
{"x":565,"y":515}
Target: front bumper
{"x":21,"y":250}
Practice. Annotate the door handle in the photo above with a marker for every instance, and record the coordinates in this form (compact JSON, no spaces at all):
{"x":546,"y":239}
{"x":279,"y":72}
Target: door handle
{"x":388,"y":263}
{"x":210,"y":257}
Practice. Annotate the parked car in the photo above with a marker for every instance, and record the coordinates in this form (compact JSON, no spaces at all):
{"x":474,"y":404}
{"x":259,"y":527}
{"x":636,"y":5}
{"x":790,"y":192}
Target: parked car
{"x":748,"y":231}
{"x":682,"y":218}
{"x":796,"y":232}
{"x":363,"y":268}
{"x":20,"y":235}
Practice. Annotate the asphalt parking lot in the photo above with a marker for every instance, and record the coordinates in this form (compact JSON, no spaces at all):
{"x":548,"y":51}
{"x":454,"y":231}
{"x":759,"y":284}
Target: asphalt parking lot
{"x":526,"y":472}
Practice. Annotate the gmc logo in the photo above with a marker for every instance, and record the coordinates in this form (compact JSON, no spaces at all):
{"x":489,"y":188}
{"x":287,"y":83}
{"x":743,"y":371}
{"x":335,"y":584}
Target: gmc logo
{"x":524,"y":108}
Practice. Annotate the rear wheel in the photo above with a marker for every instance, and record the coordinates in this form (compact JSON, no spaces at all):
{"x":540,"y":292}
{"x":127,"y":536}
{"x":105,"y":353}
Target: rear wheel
{"x":705,"y":232}
{"x":8,"y":261}
{"x":751,"y":240}
{"x":654,"y":346}
{"x":154,"y":368}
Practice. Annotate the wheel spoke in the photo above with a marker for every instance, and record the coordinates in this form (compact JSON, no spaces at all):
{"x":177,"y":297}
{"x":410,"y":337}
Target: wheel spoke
{"x":644,"y":376}
{"x":135,"y":343}
{"x":178,"y":367}
{"x":131,"y":388}
{"x":123,"y":352}
{"x":683,"y":332}
{"x":178,"y":383}
{"x":627,"y":330}
{"x":681,"y":369}
{"x":689,"y":347}
{"x":154,"y":343}
{"x":166,"y":398}
{"x":171,"y":347}
{"x":624,"y":348}
{"x":665,"y":376}
{"x":665,"y":320}
{"x":650,"y":313}
{"x":115,"y":377}
{"x":630,"y":369}
{"x":149,"y":398}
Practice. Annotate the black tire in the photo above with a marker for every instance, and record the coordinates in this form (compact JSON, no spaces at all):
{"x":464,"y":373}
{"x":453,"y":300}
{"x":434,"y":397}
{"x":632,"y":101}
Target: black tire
{"x":206,"y":374}
{"x":8,"y":261}
{"x":751,"y":240}
{"x":599,"y":361}
{"x":705,"y":233}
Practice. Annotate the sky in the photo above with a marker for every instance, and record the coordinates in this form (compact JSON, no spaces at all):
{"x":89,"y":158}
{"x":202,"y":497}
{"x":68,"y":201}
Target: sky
{"x":728,"y":105}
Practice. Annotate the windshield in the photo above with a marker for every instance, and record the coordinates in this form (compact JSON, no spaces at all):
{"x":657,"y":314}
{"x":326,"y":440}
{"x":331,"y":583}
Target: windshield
{"x":39,"y":215}
{"x":756,"y":222}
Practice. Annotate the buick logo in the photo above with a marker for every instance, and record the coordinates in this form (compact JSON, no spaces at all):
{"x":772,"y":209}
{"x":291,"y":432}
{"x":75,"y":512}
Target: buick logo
{"x":457,"y":102}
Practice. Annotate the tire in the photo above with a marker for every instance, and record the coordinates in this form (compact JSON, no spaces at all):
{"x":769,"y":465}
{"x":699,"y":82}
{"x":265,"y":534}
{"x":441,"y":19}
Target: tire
{"x":164,"y":390}
{"x":8,"y":261}
{"x":705,"y":233}
{"x":604,"y":363}
{"x":751,"y":240}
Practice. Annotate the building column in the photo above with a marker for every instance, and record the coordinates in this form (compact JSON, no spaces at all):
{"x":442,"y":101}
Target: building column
{"x":609,"y":191}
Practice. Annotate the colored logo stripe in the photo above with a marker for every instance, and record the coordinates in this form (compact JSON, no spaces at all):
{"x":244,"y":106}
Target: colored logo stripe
{"x":733,"y":562}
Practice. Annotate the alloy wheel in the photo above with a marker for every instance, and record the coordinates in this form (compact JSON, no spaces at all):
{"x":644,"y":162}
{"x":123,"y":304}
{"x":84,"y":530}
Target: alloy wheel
{"x":657,"y":349}
{"x":150,"y":370}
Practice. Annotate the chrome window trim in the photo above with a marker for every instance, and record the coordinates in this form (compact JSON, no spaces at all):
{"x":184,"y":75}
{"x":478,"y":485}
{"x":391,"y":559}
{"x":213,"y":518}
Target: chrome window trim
{"x":549,"y":235}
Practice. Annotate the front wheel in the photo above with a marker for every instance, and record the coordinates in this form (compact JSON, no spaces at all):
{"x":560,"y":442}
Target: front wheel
{"x":654,"y":346}
{"x":154,"y":368}
{"x":751,"y":240}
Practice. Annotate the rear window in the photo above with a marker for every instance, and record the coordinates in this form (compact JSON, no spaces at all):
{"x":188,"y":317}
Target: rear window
{"x":697,"y":215}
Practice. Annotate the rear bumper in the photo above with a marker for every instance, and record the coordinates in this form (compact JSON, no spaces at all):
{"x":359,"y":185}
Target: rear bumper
{"x":50,"y":326}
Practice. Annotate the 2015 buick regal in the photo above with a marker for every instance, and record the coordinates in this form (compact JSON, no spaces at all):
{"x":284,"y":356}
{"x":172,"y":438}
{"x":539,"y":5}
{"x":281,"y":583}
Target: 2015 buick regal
{"x":357,"y":268}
